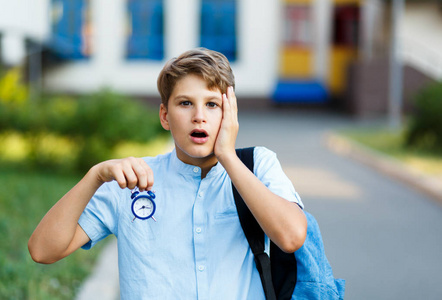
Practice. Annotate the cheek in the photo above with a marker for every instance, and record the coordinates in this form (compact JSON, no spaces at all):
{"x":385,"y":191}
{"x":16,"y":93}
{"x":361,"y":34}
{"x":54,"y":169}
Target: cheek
{"x":176,"y":119}
{"x":217,"y":118}
{"x":171,"y":124}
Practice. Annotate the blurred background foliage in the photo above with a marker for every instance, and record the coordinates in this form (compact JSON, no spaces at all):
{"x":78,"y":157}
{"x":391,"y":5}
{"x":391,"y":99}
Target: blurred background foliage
{"x":70,"y":133}
{"x":46,"y":144}
{"x":25,"y":197}
{"x":425,"y":126}
{"x":419,"y":142}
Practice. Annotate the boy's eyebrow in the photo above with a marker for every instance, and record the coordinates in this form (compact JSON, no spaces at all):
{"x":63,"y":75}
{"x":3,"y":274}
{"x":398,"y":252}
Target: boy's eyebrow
{"x":182,"y":96}
{"x":214,"y":98}
{"x":211,"y":97}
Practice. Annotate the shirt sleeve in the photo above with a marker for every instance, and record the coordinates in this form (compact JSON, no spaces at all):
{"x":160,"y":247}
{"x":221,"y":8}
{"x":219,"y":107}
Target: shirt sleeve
{"x":269,"y":171}
{"x":100,"y":216}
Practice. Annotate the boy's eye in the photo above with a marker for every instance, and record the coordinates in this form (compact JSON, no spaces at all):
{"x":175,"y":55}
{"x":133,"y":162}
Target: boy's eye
{"x":212,"y":104}
{"x":185,"y":103}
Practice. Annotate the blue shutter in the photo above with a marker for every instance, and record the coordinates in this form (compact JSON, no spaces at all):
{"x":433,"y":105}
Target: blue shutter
{"x":147,"y":38}
{"x":218,"y":26}
{"x":66,"y":38}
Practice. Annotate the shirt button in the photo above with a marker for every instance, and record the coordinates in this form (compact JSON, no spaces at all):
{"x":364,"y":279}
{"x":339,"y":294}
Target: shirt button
{"x":196,"y":169}
{"x":200,"y":194}
{"x":201,"y":268}
{"x":198,"y":230}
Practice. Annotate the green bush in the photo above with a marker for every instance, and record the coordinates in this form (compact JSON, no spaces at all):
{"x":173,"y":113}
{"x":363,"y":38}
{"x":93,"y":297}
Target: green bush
{"x":12,"y":88}
{"x":425,"y":127}
{"x":25,"y":196}
{"x":96,"y":124}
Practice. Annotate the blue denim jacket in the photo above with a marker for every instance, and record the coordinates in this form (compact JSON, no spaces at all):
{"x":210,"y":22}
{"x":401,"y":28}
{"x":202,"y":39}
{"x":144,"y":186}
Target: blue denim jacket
{"x":315,"y":276}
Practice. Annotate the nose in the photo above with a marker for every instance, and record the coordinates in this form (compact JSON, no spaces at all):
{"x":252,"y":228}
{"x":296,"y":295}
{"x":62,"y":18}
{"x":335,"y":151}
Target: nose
{"x":199,"y":115}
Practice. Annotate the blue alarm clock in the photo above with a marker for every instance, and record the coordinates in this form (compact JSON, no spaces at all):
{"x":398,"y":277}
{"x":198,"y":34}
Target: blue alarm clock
{"x":143,"y":206}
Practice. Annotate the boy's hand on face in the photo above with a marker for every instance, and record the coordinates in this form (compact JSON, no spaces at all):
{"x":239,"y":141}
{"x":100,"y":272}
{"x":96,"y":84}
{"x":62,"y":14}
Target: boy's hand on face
{"x":225,"y":141}
{"x":129,"y":172}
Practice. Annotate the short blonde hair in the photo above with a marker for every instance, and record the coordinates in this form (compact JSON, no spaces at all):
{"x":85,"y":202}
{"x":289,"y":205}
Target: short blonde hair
{"x":212,"y":66}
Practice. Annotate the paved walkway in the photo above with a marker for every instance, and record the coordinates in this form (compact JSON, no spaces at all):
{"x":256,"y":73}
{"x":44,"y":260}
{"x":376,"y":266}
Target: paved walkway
{"x":103,"y":282}
{"x":381,"y":235}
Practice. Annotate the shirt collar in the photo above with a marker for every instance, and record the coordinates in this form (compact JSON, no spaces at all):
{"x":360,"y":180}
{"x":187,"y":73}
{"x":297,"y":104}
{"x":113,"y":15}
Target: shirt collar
{"x":187,"y":169}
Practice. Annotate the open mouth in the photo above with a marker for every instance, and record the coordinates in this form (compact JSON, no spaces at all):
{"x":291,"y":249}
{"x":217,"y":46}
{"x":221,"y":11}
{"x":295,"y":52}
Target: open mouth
{"x":199,"y":136}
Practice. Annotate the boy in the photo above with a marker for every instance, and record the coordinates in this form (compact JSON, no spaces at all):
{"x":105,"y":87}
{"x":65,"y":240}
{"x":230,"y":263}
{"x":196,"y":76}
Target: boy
{"x":196,"y":249}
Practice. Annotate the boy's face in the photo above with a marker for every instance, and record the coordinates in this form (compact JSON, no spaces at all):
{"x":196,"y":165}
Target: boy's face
{"x":193,"y":116}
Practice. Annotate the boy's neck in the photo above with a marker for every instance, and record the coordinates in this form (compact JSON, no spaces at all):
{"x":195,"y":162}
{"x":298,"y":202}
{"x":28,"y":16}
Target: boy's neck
{"x":204,"y":172}
{"x":205,"y":163}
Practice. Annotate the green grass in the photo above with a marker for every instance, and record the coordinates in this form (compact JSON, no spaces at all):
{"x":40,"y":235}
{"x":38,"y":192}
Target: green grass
{"x":25,"y":196}
{"x":392,"y":143}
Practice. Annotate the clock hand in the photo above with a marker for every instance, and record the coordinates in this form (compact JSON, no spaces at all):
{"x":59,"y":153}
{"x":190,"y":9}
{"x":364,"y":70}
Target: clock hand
{"x":144,"y":207}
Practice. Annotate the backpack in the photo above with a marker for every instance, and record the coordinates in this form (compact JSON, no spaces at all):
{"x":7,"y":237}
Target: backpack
{"x":305,"y":274}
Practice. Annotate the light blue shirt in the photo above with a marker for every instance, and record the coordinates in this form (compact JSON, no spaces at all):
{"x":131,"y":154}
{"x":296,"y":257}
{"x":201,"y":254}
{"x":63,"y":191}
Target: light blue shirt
{"x":197,"y":248}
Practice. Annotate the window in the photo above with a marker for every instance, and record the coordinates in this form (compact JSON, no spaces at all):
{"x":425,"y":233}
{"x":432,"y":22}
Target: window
{"x":298,"y":31}
{"x":218,"y":27}
{"x":297,"y":55}
{"x":146,"y":30}
{"x":346,"y":26}
{"x":71,"y":29}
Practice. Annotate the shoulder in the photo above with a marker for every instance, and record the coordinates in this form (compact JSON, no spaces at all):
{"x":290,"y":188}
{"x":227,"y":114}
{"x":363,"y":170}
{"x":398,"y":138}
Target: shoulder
{"x":154,"y":161}
{"x":263,"y":152}
{"x":269,"y":171}
{"x":264,"y":156}
{"x":266,"y":163}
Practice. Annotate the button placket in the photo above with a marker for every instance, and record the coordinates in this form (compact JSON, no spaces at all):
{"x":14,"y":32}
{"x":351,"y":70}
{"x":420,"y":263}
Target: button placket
{"x":200,"y":247}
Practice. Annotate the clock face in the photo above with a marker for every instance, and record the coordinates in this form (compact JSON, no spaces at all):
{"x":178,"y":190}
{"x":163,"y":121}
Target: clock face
{"x":143,"y":207}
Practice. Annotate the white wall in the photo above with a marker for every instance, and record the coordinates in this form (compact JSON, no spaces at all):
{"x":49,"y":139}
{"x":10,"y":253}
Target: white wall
{"x":421,"y":38}
{"x":20,"y":19}
{"x":372,"y":24}
{"x":256,"y":68}
{"x":28,"y":17}
{"x":322,"y":24}
{"x":182,"y":26}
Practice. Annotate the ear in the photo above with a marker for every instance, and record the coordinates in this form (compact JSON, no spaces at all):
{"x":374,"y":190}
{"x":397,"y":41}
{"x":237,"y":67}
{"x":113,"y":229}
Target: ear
{"x":163,"y":117}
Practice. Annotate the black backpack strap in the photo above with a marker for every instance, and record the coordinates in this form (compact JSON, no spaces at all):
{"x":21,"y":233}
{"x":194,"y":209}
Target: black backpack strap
{"x":253,"y":232}
{"x":284,"y":272}
{"x":279,"y":272}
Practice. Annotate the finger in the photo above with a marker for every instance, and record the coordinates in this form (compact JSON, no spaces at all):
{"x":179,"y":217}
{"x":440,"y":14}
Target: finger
{"x":129,"y":173}
{"x":141,"y":175}
{"x":150,"y":176}
{"x":118,"y":175}
{"x":233,"y":105}
{"x":232,"y":98}
{"x":226,"y":106}
{"x":144,"y":174}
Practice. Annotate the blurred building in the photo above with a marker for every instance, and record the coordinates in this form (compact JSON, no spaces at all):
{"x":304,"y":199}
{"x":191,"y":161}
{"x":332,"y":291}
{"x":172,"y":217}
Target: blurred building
{"x":289,"y":51}
{"x":420,"y":50}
